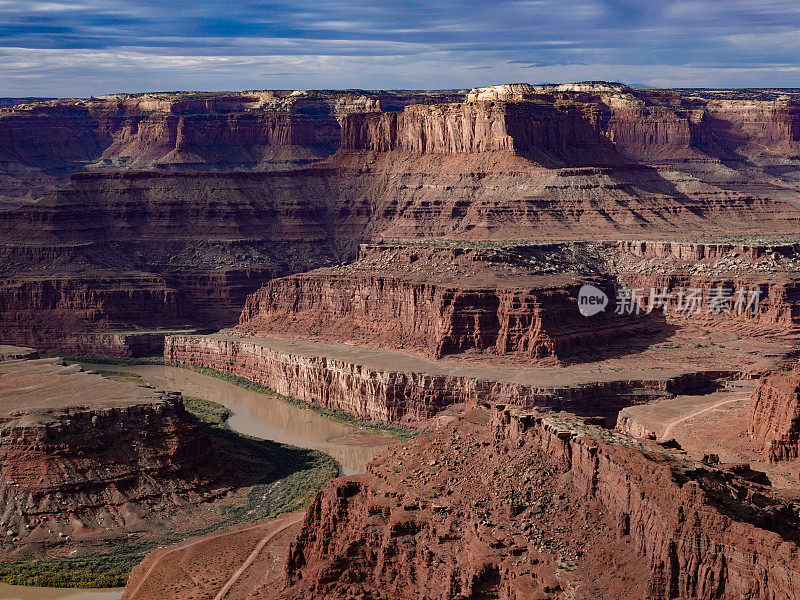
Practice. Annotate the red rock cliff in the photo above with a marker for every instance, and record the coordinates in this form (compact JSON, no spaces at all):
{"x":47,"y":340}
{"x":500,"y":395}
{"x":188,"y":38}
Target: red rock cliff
{"x":760,"y":131}
{"x":734,"y":270}
{"x":775,"y":414}
{"x":41,"y":143}
{"x":85,"y":457}
{"x":536,"y":510}
{"x":654,"y":133}
{"x":55,"y":314}
{"x":546,"y":130}
{"x":373,"y":389}
{"x":447,"y":300}
{"x":477,"y":170}
{"x":140,"y":251}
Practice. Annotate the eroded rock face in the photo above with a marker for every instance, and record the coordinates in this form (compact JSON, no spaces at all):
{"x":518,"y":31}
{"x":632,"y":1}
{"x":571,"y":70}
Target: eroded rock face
{"x":45,"y":312}
{"x":85,"y":458}
{"x":521,"y":301}
{"x":751,"y":129}
{"x":514,"y":301}
{"x":547,"y":131}
{"x":534,"y":506}
{"x":43,"y":455}
{"x":41,"y":143}
{"x":206,"y":242}
{"x":654,"y":132}
{"x":775,"y":414}
{"x":376,"y":389}
{"x":580,"y":161}
{"x":147,"y":252}
{"x":385,"y":396}
{"x":759,"y":284}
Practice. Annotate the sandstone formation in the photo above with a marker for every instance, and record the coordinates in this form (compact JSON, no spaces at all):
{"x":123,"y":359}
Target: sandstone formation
{"x":516,"y":162}
{"x":537,"y":505}
{"x":548,"y":132}
{"x":411,"y":258}
{"x":43,"y":142}
{"x":90,"y":460}
{"x":521,"y":300}
{"x":775,"y":415}
{"x":729,"y":272}
{"x":76,"y":313}
{"x":140,"y":253}
{"x":518,"y":301}
{"x":415,"y":258}
{"x":392,"y":387}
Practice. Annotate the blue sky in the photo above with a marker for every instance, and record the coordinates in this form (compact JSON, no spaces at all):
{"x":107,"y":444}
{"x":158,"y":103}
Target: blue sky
{"x":83,"y":47}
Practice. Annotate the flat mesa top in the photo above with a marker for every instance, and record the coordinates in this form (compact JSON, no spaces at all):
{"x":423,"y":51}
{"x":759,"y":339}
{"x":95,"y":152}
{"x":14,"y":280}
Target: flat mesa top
{"x":11,"y":352}
{"x":48,"y":385}
{"x":678,"y":355}
{"x":514,"y":266}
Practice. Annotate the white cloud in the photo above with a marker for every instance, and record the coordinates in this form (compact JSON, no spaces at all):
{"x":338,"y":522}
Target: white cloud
{"x":110,"y":45}
{"x":784,"y":40}
{"x":28,"y":72}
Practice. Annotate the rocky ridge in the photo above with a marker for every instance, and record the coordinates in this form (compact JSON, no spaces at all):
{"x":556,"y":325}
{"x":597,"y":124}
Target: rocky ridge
{"x":536,"y":511}
{"x":85,"y":460}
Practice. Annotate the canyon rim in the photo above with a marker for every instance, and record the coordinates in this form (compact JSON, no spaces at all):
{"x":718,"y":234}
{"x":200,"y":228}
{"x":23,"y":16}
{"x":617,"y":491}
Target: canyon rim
{"x":510,"y":341}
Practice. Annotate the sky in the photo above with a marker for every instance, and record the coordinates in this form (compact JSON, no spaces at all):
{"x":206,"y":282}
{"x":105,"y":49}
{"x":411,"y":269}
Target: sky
{"x":77,"y":48}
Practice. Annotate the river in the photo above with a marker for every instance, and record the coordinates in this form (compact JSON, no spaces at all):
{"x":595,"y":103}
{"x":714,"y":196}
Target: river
{"x":255,"y":414}
{"x":267,"y":417}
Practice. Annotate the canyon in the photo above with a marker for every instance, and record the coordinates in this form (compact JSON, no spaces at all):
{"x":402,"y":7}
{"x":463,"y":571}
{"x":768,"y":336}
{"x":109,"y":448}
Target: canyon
{"x":505,"y":502}
{"x":393,"y":387}
{"x":518,"y":300}
{"x":97,"y":468}
{"x":579,"y":302}
{"x":293,"y":181}
{"x":45,"y":141}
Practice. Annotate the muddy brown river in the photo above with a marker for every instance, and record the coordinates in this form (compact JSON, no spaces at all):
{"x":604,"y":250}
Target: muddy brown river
{"x":260,"y":415}
{"x":267,"y":417}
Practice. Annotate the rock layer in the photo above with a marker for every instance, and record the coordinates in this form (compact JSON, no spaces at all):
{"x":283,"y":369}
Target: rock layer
{"x":43,"y":142}
{"x":548,"y":132}
{"x":775,"y":415}
{"x":521,"y":301}
{"x":76,"y":313}
{"x":579,"y":161}
{"x":87,"y":458}
{"x":748,"y":289}
{"x":512,"y":301}
{"x":144,"y":252}
{"x":372,"y":389}
{"x":536,"y":510}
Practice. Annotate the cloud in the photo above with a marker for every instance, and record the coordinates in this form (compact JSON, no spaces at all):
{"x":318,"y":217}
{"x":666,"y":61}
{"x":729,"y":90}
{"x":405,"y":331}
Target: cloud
{"x":91,"y":46}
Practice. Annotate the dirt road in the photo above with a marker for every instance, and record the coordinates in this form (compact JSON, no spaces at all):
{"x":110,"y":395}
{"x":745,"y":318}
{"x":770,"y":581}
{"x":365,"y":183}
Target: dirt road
{"x":205,"y":567}
{"x":240,"y":571}
{"x":671,"y":425}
